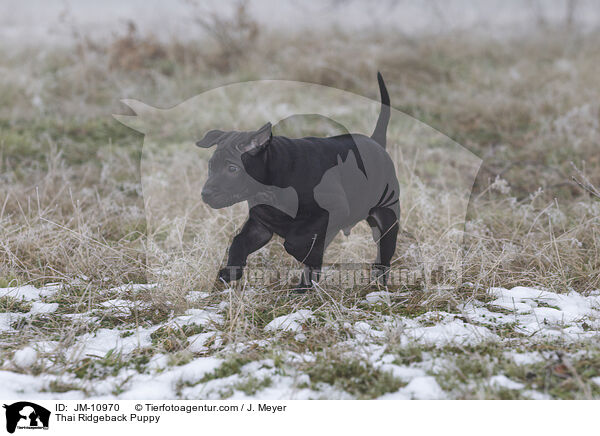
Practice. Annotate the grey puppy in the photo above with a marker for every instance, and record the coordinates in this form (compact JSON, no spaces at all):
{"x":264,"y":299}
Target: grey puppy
{"x":305,"y":190}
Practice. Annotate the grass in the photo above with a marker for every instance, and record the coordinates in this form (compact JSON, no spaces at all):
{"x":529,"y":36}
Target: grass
{"x":252,"y":385}
{"x":11,"y":304}
{"x":57,"y":152}
{"x":174,"y":338}
{"x":72,"y":204}
{"x":62,"y":387}
{"x":98,"y":368}
{"x":355,"y":377}
{"x":229,"y":367}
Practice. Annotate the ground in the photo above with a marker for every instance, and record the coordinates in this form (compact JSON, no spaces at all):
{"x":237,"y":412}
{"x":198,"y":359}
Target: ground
{"x":521,"y":343}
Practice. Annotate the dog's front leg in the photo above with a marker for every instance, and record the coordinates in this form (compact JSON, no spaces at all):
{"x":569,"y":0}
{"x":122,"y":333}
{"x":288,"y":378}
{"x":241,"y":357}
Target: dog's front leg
{"x":253,"y":236}
{"x":306,"y":242}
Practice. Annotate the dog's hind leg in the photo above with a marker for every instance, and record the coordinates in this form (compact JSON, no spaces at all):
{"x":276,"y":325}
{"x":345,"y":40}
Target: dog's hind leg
{"x":384,"y":225}
{"x":253,"y":236}
{"x":309,"y":275}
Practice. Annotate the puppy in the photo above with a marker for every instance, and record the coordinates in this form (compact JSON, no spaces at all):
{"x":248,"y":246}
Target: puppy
{"x":305,"y":190}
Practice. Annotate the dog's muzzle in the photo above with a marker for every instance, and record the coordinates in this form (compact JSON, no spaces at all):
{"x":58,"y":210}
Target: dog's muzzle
{"x":212,"y":198}
{"x":219,"y":200}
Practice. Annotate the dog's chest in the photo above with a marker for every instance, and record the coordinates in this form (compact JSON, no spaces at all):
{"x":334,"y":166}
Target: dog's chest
{"x":274,"y":219}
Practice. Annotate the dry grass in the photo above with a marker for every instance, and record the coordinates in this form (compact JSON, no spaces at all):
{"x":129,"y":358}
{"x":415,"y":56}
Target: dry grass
{"x":72,"y":203}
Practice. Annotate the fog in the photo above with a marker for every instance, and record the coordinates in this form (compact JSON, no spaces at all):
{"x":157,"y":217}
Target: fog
{"x":58,"y":21}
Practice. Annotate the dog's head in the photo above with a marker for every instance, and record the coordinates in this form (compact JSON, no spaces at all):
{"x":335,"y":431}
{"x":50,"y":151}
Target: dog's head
{"x":237,"y":169}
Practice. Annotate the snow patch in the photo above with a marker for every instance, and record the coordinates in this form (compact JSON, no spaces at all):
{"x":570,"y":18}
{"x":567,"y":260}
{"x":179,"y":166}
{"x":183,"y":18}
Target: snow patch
{"x":501,"y":381}
{"x":29,"y":293}
{"x":38,"y":307}
{"x":25,"y":357}
{"x":455,"y":331}
{"x":379,"y":297}
{"x":197,"y":342}
{"x":540,"y":313}
{"x":529,"y":358}
{"x":104,"y":340}
{"x":7,"y":319}
{"x":195,"y":296}
{"x":290,"y":322}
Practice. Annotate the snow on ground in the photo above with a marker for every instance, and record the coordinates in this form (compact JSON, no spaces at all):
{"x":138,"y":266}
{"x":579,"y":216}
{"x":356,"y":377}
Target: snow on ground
{"x":29,"y":293}
{"x":292,"y":322}
{"x":541,"y":313}
{"x":449,"y":331}
{"x":187,"y":356}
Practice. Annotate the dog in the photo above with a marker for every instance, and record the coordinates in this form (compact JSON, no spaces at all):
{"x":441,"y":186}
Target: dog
{"x":305,"y":190}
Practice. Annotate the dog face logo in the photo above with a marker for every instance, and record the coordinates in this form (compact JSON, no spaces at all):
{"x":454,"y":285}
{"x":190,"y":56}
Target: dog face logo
{"x":342,"y":178}
{"x":26,"y":415}
{"x":235,"y":169}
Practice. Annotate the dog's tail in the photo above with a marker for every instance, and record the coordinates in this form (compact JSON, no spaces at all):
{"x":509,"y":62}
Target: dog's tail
{"x":379,"y":134}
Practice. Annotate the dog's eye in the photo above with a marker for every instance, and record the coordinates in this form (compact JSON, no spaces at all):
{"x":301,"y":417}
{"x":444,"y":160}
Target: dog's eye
{"x":232,"y":168}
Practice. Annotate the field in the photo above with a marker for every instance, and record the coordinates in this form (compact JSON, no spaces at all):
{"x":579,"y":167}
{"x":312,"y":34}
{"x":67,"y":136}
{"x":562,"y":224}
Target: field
{"x":88,"y":307}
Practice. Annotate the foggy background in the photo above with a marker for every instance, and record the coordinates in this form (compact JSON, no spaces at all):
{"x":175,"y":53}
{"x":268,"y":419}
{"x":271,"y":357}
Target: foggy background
{"x":39,"y":21}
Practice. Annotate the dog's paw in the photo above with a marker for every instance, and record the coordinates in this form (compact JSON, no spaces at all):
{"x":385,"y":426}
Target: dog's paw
{"x":379,"y":274}
{"x":229,"y":274}
{"x":301,"y":288}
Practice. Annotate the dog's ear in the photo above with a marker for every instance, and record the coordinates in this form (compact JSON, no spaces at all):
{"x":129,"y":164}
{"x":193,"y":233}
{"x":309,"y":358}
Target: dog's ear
{"x":210,"y":139}
{"x":261,"y":139}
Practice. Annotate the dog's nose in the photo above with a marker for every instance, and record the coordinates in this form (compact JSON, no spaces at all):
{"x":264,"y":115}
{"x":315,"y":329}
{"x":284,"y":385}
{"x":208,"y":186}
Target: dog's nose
{"x":208,"y":194}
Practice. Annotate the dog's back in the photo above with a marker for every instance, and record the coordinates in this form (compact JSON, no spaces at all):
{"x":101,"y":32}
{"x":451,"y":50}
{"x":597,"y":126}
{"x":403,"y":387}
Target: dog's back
{"x":347,"y":175}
